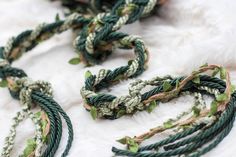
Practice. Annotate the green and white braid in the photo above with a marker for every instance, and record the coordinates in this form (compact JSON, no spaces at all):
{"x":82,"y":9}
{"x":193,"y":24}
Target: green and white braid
{"x":27,"y":86}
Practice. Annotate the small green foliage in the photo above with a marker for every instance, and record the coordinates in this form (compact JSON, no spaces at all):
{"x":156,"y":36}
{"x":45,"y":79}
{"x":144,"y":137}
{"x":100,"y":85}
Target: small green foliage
{"x":123,"y":140}
{"x":196,"y":111}
{"x":214,"y":106}
{"x":119,"y":11}
{"x":120,"y":113}
{"x":130,"y":62}
{"x":196,"y":80}
{"x":37,"y":114}
{"x":88,"y":74}
{"x":177,"y":83}
{"x":166,"y":86}
{"x":127,"y":9}
{"x":31,"y":145}
{"x":168,"y":124}
{"x":132,"y":145}
{"x":132,"y":6}
{"x":74,"y":61}
{"x":215,"y":72}
{"x":57,"y":18}
{"x":152,"y":105}
{"x":93,"y":112}
{"x":204,"y":65}
{"x":145,"y":56}
{"x":221,"y":97}
{"x":44,"y":123}
{"x":3,"y":83}
{"x":222,"y":73}
{"x":100,"y":22}
{"x":119,"y":77}
{"x":232,"y":88}
{"x":195,"y":72}
{"x":184,"y":127}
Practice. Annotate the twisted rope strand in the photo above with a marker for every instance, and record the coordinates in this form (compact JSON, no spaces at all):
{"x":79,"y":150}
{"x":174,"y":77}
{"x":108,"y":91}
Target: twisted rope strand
{"x":97,"y":37}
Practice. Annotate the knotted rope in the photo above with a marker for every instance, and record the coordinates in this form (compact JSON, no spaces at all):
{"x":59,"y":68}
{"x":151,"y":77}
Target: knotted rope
{"x":97,"y":37}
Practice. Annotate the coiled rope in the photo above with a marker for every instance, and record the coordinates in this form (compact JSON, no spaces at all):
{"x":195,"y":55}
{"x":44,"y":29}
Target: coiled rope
{"x":198,"y":130}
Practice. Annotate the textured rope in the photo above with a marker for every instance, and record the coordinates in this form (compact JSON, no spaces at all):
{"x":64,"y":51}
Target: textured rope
{"x":98,"y":36}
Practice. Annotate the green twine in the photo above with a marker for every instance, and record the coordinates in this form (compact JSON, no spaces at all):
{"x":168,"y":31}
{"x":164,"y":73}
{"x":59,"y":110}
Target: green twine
{"x":97,"y":37}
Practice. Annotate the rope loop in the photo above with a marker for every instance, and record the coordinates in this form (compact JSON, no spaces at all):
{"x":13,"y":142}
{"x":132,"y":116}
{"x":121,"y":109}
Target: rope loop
{"x":27,"y":86}
{"x":197,"y":130}
{"x":92,"y":40}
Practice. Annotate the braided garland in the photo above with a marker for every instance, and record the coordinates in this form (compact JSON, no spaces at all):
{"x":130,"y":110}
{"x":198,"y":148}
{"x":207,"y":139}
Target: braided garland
{"x":34,"y":91}
{"x":97,"y":38}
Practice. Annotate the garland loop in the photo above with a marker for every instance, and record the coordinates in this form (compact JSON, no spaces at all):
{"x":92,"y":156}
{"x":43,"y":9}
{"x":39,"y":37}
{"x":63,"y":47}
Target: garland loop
{"x":195,"y":131}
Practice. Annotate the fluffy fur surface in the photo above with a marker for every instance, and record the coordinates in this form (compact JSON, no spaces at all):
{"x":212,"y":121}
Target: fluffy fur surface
{"x":185,"y":35}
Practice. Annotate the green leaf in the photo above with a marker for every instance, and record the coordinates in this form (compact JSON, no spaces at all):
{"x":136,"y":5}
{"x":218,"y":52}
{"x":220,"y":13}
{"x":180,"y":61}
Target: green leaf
{"x":132,"y":6}
{"x":3,"y":83}
{"x":196,"y":111}
{"x":101,"y":23}
{"x":93,"y":112}
{"x":166,"y":86}
{"x":88,"y":74}
{"x":130,"y":62}
{"x":74,"y":61}
{"x":134,"y":148}
{"x":45,"y":138}
{"x":222,"y":73}
{"x":132,"y":145}
{"x":168,"y":124}
{"x":204,"y":65}
{"x":37,"y":114}
{"x":152,"y":105}
{"x":177,"y":83}
{"x":196,"y":80}
{"x":119,"y":77}
{"x":44,"y":124}
{"x":232,"y":88}
{"x":123,"y":140}
{"x":119,"y":10}
{"x":31,"y":145}
{"x":215,"y":72}
{"x":221,"y":97}
{"x":195,"y":72}
{"x":31,"y":142}
{"x":57,"y":18}
{"x":186,"y":127}
{"x":121,"y":113}
{"x":214,"y":106}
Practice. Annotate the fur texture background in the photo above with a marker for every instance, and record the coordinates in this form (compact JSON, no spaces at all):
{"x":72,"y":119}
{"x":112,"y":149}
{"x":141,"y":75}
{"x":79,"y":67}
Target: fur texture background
{"x":186,"y":34}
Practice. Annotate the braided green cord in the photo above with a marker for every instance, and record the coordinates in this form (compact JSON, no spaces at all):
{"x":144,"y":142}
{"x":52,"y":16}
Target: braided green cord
{"x":97,"y":38}
{"x":199,"y":137}
{"x":53,"y":142}
{"x":177,"y":151}
{"x":226,"y":115}
{"x":53,"y":104}
{"x":217,"y":141}
{"x":172,"y":138}
{"x":41,"y":33}
{"x":53,"y":123}
{"x":26,"y":41}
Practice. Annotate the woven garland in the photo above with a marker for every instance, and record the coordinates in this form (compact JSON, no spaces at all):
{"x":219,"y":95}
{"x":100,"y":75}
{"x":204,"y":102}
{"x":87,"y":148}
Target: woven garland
{"x":196,"y":131}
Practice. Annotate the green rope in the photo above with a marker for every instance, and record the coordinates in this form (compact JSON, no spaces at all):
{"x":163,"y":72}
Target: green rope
{"x":97,"y":37}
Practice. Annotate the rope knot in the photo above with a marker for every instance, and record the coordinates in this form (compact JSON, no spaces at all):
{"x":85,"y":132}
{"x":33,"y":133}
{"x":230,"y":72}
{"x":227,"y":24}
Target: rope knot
{"x":27,"y":86}
{"x":93,"y":45}
{"x":133,"y":103}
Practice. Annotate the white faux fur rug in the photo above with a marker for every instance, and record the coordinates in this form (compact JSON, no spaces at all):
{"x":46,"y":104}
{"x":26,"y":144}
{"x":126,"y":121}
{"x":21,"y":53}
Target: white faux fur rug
{"x":187,"y":34}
